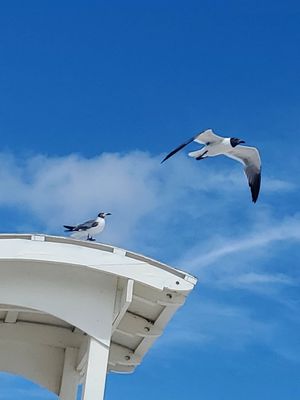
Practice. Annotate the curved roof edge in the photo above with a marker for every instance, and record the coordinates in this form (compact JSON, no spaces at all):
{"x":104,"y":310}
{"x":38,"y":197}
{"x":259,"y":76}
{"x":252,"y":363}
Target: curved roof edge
{"x":103,"y":247}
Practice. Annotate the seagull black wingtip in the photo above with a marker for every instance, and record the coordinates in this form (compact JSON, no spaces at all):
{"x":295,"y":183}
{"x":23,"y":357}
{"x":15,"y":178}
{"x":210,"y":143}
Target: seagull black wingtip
{"x":165,"y":159}
{"x":68,"y":228}
{"x":181,"y":146}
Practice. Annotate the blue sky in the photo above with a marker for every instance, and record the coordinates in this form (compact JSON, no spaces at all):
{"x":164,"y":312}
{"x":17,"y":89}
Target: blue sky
{"x":93,"y":95}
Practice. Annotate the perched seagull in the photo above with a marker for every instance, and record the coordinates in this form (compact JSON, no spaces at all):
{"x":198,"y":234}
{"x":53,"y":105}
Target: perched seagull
{"x":88,"y":228}
{"x":217,"y":145}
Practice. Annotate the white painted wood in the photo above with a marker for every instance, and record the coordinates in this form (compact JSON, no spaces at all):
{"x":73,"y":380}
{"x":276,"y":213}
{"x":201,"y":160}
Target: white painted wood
{"x":117,"y":250}
{"x":70,"y":377}
{"x":137,"y":268}
{"x":40,"y":334}
{"x":11,"y":317}
{"x":84,"y":307}
{"x":134,"y":325}
{"x":82,"y":357}
{"x":39,"y":238}
{"x":94,"y":385}
{"x":120,"y":355}
{"x":5,"y":307}
{"x":66,"y":292}
{"x":39,"y":363}
{"x":124,"y":303}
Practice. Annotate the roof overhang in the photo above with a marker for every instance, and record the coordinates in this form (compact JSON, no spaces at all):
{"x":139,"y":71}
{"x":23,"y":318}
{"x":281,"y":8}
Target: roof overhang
{"x":146,"y":295}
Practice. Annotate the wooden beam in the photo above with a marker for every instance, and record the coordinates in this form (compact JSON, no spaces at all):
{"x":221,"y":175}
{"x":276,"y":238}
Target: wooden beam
{"x":40,"y":334}
{"x":134,"y":325}
{"x":121,"y":355}
{"x":123,"y":303}
{"x":11,"y":317}
{"x":70,"y":377}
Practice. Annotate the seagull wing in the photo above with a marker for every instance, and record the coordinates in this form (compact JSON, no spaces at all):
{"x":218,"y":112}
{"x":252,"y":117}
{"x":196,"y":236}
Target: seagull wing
{"x":204,"y":138}
{"x":178,"y":148}
{"x":207,"y":137}
{"x":86,"y":225}
{"x":250,"y":158}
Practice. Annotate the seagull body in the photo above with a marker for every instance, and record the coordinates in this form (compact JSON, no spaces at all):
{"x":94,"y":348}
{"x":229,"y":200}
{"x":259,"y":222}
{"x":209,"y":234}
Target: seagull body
{"x":213,"y":149}
{"x":89,"y":228}
{"x":215,"y":145}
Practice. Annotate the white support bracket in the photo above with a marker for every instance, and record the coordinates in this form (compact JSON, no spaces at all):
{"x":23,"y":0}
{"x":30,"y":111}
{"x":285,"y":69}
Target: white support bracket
{"x":166,"y":298}
{"x":120,"y":355}
{"x":134,"y":325}
{"x":122,"y":304}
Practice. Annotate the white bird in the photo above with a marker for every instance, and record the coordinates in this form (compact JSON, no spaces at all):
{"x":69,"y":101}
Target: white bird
{"x":217,"y":145}
{"x":88,"y":228}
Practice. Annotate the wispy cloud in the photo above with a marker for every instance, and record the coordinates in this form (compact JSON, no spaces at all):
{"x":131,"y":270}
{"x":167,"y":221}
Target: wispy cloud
{"x":203,"y":208}
{"x":264,"y":236}
{"x":277,"y":185}
{"x":132,"y":186}
{"x":213,"y":325}
{"x":252,"y":278}
{"x":219,"y":325}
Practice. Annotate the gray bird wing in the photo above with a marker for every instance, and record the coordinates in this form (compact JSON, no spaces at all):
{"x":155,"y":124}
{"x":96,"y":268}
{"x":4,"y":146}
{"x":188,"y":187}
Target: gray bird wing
{"x":250,"y":158}
{"x":86,"y":225}
{"x":204,"y":137}
{"x":207,"y":136}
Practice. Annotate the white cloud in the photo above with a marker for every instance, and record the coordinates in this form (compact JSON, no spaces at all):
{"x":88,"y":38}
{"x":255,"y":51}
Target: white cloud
{"x":260,"y":237}
{"x":152,"y":205}
{"x":132,"y":186}
{"x":200,"y":210}
{"x":277,"y":185}
{"x":219,"y":325}
{"x":68,"y":189}
{"x":252,"y":278}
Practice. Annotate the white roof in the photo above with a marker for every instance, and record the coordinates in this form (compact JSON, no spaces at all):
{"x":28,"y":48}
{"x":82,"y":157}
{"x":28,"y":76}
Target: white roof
{"x":148,"y":294}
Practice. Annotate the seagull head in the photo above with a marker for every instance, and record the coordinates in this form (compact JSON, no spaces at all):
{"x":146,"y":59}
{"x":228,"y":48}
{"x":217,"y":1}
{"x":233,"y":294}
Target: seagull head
{"x":235,"y":141}
{"x":103,"y":214}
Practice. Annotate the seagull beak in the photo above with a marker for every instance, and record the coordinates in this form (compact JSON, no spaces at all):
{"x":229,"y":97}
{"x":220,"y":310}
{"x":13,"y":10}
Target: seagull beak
{"x":242,"y":141}
{"x":107,"y":213}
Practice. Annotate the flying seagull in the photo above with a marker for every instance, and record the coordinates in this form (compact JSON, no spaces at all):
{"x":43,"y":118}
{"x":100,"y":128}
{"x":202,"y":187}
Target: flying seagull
{"x":88,"y":228}
{"x":215,"y":145}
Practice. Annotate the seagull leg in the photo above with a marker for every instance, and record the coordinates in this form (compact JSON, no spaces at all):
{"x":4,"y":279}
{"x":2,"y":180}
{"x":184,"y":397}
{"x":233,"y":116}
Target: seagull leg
{"x":90,"y":238}
{"x":201,"y":157}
